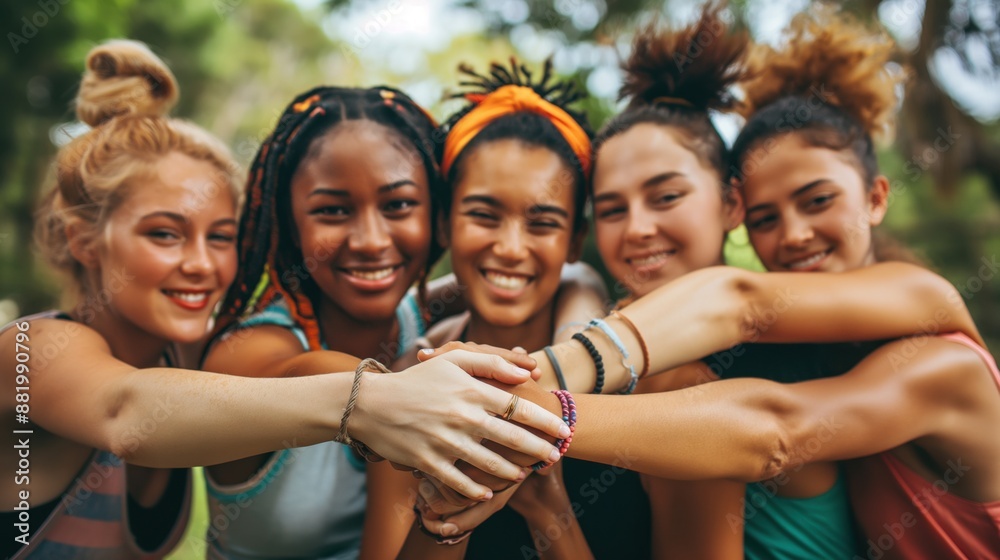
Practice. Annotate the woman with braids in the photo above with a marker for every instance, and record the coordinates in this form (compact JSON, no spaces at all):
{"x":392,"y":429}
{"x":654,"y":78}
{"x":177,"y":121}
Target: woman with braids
{"x":923,"y":415}
{"x":143,"y":222}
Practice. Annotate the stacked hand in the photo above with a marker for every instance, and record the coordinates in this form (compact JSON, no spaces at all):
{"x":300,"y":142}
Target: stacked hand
{"x":434,"y":414}
{"x":539,"y":492}
{"x":449,"y":512}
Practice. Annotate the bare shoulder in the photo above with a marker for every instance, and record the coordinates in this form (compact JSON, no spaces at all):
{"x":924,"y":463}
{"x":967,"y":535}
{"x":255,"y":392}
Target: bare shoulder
{"x":938,"y":369}
{"x":60,"y":358}
{"x":965,"y":365}
{"x":252,"y":351}
{"x":48,"y":342}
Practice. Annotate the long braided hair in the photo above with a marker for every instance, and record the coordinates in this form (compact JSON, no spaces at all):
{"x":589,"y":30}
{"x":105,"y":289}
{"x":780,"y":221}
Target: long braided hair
{"x":270,"y":262}
{"x":527,"y":127}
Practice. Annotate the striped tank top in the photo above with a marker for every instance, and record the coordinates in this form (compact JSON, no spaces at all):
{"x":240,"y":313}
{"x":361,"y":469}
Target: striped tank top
{"x":90,"y":520}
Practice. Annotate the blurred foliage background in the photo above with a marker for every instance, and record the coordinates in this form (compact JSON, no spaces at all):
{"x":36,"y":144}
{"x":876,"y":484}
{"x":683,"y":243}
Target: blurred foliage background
{"x":238,"y":63}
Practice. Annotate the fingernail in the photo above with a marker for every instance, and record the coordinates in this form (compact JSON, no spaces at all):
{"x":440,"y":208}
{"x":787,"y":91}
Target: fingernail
{"x":424,"y":490}
{"x":522,"y":372}
{"x":426,"y":351}
{"x":521,"y":475}
{"x":449,"y":529}
{"x":520,"y":349}
{"x":554,"y":456}
{"x":564,"y":431}
{"x":488,"y":496}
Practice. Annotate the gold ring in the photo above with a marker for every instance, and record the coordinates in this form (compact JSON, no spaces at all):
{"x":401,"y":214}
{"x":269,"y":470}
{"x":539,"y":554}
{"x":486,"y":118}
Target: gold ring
{"x":511,"y":407}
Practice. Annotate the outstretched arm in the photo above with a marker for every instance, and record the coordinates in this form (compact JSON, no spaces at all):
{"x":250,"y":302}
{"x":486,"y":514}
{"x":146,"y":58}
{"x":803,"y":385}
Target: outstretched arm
{"x":886,"y":300}
{"x":764,"y":428}
{"x":426,"y":416}
{"x":713,"y":309}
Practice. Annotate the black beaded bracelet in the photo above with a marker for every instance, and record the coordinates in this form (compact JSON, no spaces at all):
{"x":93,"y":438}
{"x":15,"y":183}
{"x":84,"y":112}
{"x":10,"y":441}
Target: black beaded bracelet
{"x":598,"y":361}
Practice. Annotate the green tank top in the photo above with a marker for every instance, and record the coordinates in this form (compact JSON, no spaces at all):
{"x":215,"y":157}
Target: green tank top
{"x":780,"y":528}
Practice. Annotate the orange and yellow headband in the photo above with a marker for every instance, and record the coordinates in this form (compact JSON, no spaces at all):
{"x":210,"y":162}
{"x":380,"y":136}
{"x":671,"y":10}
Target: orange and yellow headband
{"x":504,"y":101}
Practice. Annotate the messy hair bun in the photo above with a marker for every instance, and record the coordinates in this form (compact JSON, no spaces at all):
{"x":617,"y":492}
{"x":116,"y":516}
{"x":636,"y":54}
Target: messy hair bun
{"x":124,"y":78}
{"x":673,"y":78}
{"x":125,"y":95}
{"x":829,"y":86}
{"x":834,"y":58}
{"x":695,"y":66}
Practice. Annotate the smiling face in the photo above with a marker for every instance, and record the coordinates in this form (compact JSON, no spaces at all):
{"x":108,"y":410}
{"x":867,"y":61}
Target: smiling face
{"x":659,"y":211}
{"x":168,"y":252}
{"x":808,"y":209}
{"x":511,"y":229}
{"x":361,"y":207}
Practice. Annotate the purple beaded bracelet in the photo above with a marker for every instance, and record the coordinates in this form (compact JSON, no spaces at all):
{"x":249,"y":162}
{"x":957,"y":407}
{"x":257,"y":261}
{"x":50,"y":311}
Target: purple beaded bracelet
{"x":569,"y":417}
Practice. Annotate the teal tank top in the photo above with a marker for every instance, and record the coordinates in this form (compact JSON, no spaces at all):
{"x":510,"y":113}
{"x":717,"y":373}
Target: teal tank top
{"x":306,"y":502}
{"x":780,"y":528}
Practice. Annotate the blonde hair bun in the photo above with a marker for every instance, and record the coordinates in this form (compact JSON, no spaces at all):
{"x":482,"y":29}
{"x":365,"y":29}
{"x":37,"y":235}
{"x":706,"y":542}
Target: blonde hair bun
{"x":124,"y":77}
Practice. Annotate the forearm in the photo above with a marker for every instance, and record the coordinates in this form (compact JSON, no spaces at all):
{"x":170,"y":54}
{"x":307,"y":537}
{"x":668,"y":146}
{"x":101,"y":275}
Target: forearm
{"x":888,"y":300}
{"x":556,"y":517}
{"x":165,"y":417}
{"x":683,"y":434}
{"x":691,"y":317}
{"x":713,"y":309}
{"x":389,"y":511}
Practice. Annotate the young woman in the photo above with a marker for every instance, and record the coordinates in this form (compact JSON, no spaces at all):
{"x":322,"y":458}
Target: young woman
{"x":516,"y":160}
{"x":142,"y":220}
{"x":817,"y":214}
{"x":663,"y":208}
{"x":920,"y":404}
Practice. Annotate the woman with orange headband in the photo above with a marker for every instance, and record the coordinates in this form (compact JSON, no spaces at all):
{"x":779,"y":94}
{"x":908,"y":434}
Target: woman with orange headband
{"x":516,"y":160}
